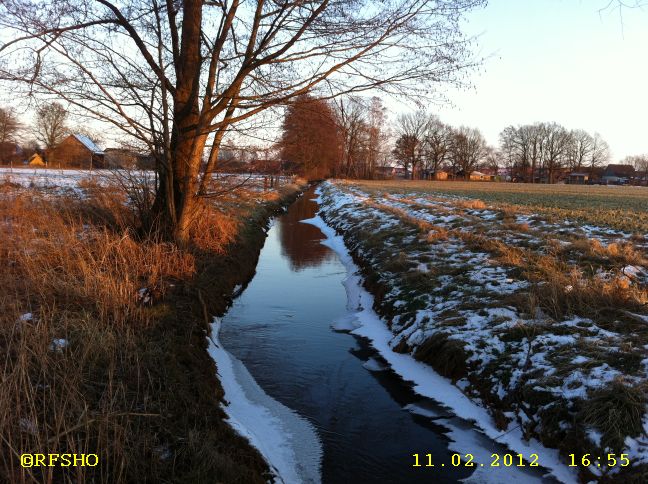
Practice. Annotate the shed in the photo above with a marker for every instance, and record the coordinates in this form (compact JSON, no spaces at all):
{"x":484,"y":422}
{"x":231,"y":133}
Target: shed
{"x":77,"y":151}
{"x":577,"y":178}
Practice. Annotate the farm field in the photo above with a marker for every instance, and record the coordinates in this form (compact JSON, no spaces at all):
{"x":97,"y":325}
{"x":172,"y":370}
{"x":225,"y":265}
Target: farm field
{"x":71,"y":182}
{"x":531,"y":299}
{"x":621,"y":207}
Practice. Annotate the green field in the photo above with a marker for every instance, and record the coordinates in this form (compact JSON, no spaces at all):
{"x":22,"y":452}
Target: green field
{"x":620,"y":207}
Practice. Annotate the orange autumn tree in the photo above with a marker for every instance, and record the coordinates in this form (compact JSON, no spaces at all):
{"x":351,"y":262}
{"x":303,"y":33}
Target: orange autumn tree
{"x":312,"y":142}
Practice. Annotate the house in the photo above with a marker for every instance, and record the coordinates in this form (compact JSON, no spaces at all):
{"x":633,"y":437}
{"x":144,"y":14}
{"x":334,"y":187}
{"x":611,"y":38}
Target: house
{"x":36,"y":160}
{"x":387,"y":171}
{"x":76,"y":151}
{"x":578,"y":178}
{"x":479,"y":176}
{"x":618,"y":174}
{"x":433,"y":175}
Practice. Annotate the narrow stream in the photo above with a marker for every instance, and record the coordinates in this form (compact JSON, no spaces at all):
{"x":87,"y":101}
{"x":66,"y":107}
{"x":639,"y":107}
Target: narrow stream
{"x":369,"y":420}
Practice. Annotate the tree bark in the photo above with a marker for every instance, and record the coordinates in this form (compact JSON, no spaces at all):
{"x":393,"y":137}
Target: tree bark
{"x":177,"y":199}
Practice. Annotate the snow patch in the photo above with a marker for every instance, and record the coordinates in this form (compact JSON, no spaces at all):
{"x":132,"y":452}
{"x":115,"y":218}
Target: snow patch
{"x":372,"y":364}
{"x":58,"y":345}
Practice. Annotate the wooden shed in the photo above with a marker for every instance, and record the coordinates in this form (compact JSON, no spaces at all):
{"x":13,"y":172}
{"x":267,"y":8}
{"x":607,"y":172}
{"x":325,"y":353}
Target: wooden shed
{"x":76,"y":151}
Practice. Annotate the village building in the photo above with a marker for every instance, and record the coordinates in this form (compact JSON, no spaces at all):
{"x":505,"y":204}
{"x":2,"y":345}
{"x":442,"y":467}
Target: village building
{"x":10,"y":153}
{"x":479,"y":176}
{"x":76,"y":151}
{"x":618,"y":174}
{"x":439,"y":175}
{"x":387,"y":171}
{"x":578,"y":178}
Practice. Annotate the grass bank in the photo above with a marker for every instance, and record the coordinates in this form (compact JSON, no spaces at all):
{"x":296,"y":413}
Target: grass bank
{"x":103,"y":337}
{"x":539,"y":319}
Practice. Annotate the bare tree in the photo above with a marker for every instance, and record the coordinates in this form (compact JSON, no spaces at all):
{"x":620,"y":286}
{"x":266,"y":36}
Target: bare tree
{"x":586,"y":150}
{"x":522,"y":146}
{"x":409,"y":146}
{"x":437,"y":141}
{"x":640,"y":164}
{"x":515,"y":157}
{"x":538,"y":151}
{"x":555,"y":149}
{"x":579,"y":149}
{"x":467,"y":150}
{"x":51,"y":124}
{"x":9,"y":125}
{"x":600,"y":153}
{"x":407,"y":151}
{"x":492,"y":159}
{"x":533,"y":136}
{"x":178,"y":75}
{"x":377,"y":135}
{"x":351,"y":115}
{"x":9,"y":129}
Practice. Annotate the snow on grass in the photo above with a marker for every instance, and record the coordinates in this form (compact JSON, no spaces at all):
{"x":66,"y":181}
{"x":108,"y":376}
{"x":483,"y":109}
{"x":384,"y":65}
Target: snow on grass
{"x":287,"y":441}
{"x":426,"y":381}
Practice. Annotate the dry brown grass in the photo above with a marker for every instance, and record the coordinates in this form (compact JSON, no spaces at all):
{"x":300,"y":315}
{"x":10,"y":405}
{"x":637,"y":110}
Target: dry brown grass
{"x":616,"y":412}
{"x":622,"y":252}
{"x":438,"y":233}
{"x":430,"y":231}
{"x":215,"y":230}
{"x":80,"y":282}
{"x":78,"y":267}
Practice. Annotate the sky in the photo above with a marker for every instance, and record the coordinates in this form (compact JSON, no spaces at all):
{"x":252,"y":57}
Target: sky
{"x":566,"y":61}
{"x":558,"y":60}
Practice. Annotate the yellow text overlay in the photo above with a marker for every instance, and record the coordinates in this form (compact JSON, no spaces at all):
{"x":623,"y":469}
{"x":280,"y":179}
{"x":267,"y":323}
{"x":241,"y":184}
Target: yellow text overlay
{"x":59,"y":460}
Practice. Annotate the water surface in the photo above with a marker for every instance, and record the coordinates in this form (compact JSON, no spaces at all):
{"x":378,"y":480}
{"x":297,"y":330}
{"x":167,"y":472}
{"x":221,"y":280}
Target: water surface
{"x":280,"y":328}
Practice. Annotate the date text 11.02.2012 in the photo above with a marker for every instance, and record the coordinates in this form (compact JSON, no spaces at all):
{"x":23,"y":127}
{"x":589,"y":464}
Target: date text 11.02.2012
{"x":468,"y":460}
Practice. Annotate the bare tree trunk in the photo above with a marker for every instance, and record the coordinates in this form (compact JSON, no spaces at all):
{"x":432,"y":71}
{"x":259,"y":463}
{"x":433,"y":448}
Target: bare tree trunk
{"x":177,"y":200}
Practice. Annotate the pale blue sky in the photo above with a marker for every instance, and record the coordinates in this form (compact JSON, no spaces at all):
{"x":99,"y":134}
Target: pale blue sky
{"x":563,"y":61}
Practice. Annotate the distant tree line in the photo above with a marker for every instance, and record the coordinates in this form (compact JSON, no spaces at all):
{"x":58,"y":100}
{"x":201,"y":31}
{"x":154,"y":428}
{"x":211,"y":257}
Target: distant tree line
{"x":536,"y":152}
{"x":352,"y":138}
